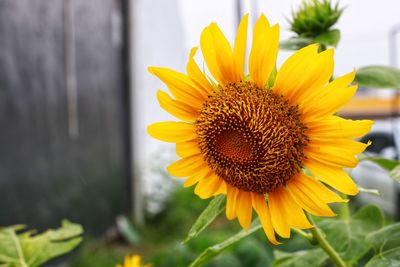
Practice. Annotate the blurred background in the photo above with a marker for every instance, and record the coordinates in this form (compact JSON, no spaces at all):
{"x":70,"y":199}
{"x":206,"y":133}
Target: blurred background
{"x":76,"y":98}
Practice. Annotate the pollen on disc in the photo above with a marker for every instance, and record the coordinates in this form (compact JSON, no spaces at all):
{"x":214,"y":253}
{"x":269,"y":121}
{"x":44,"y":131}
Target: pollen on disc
{"x":251,"y":137}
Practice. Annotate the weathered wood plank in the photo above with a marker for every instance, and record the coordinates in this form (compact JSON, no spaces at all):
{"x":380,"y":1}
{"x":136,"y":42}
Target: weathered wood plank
{"x":45,"y":175}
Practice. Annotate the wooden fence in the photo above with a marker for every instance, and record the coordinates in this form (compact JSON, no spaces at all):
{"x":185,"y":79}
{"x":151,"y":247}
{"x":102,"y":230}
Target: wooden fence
{"x":63,"y":113}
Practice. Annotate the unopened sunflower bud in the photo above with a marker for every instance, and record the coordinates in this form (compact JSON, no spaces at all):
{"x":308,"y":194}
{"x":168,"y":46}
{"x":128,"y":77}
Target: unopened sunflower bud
{"x":315,"y":17}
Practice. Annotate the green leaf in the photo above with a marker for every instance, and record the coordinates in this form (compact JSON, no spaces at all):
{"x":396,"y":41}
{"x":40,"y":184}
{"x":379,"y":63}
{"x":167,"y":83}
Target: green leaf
{"x":330,"y":38}
{"x":272,"y":78}
{"x":387,"y":164}
{"x":374,"y":192}
{"x":389,"y":258}
{"x":386,"y":243}
{"x":127,"y":230}
{"x":213,"y":251}
{"x":347,"y":237}
{"x":385,"y":238}
{"x":30,"y":250}
{"x":214,"y":208}
{"x":254,"y":251}
{"x":395,"y":173}
{"x":295,"y":43}
{"x":378,"y":77}
{"x":312,"y":257}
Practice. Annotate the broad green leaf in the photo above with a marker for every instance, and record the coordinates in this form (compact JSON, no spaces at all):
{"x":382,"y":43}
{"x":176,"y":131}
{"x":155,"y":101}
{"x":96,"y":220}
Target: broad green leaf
{"x":214,"y":208}
{"x":395,"y":173}
{"x":254,"y":252}
{"x":386,"y":243}
{"x":378,"y":77}
{"x":30,"y":250}
{"x":295,"y":43}
{"x":312,"y":257}
{"x":388,"y":258}
{"x":330,"y":38}
{"x":348,"y":236}
{"x":385,"y":238}
{"x":213,"y":251}
{"x":387,"y":164}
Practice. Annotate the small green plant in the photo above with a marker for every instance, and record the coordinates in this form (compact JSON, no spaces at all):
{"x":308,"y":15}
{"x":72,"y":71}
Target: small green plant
{"x":28,"y":249}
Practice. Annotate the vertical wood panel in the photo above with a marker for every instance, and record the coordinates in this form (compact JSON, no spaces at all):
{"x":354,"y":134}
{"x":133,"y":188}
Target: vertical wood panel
{"x":44,"y":174}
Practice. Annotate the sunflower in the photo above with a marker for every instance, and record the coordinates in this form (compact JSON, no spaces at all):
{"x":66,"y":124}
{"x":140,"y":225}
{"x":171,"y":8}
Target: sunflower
{"x":133,"y":261}
{"x":252,"y":136}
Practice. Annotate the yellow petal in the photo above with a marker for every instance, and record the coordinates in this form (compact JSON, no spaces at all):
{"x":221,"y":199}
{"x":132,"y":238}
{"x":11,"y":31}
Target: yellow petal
{"x":187,"y":166}
{"x":231,"y":201}
{"x":239,"y":51}
{"x":196,"y":177}
{"x":291,"y":213}
{"x":261,"y":207}
{"x":222,"y":188}
{"x":209,"y":54}
{"x":318,"y":76}
{"x":218,"y":55}
{"x":306,"y":198}
{"x":172,"y":131}
{"x":192,"y":180}
{"x":177,"y":108}
{"x":279,"y":221}
{"x":292,"y":66}
{"x":208,"y":186}
{"x":309,"y":184}
{"x":187,"y":148}
{"x":244,"y":208}
{"x":335,"y":95}
{"x":336,"y":127}
{"x":181,"y":86}
{"x":263,"y":51}
{"x":335,"y":152}
{"x":196,"y":75}
{"x":304,"y":74}
{"x":335,"y":177}
{"x":350,"y":147}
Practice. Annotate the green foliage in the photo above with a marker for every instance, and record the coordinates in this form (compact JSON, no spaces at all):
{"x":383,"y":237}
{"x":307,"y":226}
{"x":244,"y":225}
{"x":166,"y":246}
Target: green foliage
{"x":387,"y":164}
{"x":30,"y":249}
{"x":272,"y":78}
{"x":178,"y":214}
{"x":386,"y":244}
{"x":378,"y":77}
{"x":214,"y":208}
{"x":315,"y":18}
{"x":311,"y":257}
{"x":347,"y":237}
{"x":127,"y":230}
{"x":94,"y":253}
{"x":213,"y":251}
{"x":295,"y":43}
{"x":393,"y":166}
{"x":255,"y":252}
{"x":329,"y":38}
{"x":395,"y":173}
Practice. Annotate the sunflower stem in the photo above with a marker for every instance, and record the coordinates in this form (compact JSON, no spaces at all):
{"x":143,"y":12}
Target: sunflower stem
{"x":304,"y":234}
{"x":344,"y":209}
{"x":320,"y":239}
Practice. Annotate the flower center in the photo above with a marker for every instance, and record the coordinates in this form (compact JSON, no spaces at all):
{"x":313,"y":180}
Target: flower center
{"x":233,"y":145}
{"x":251,"y":137}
